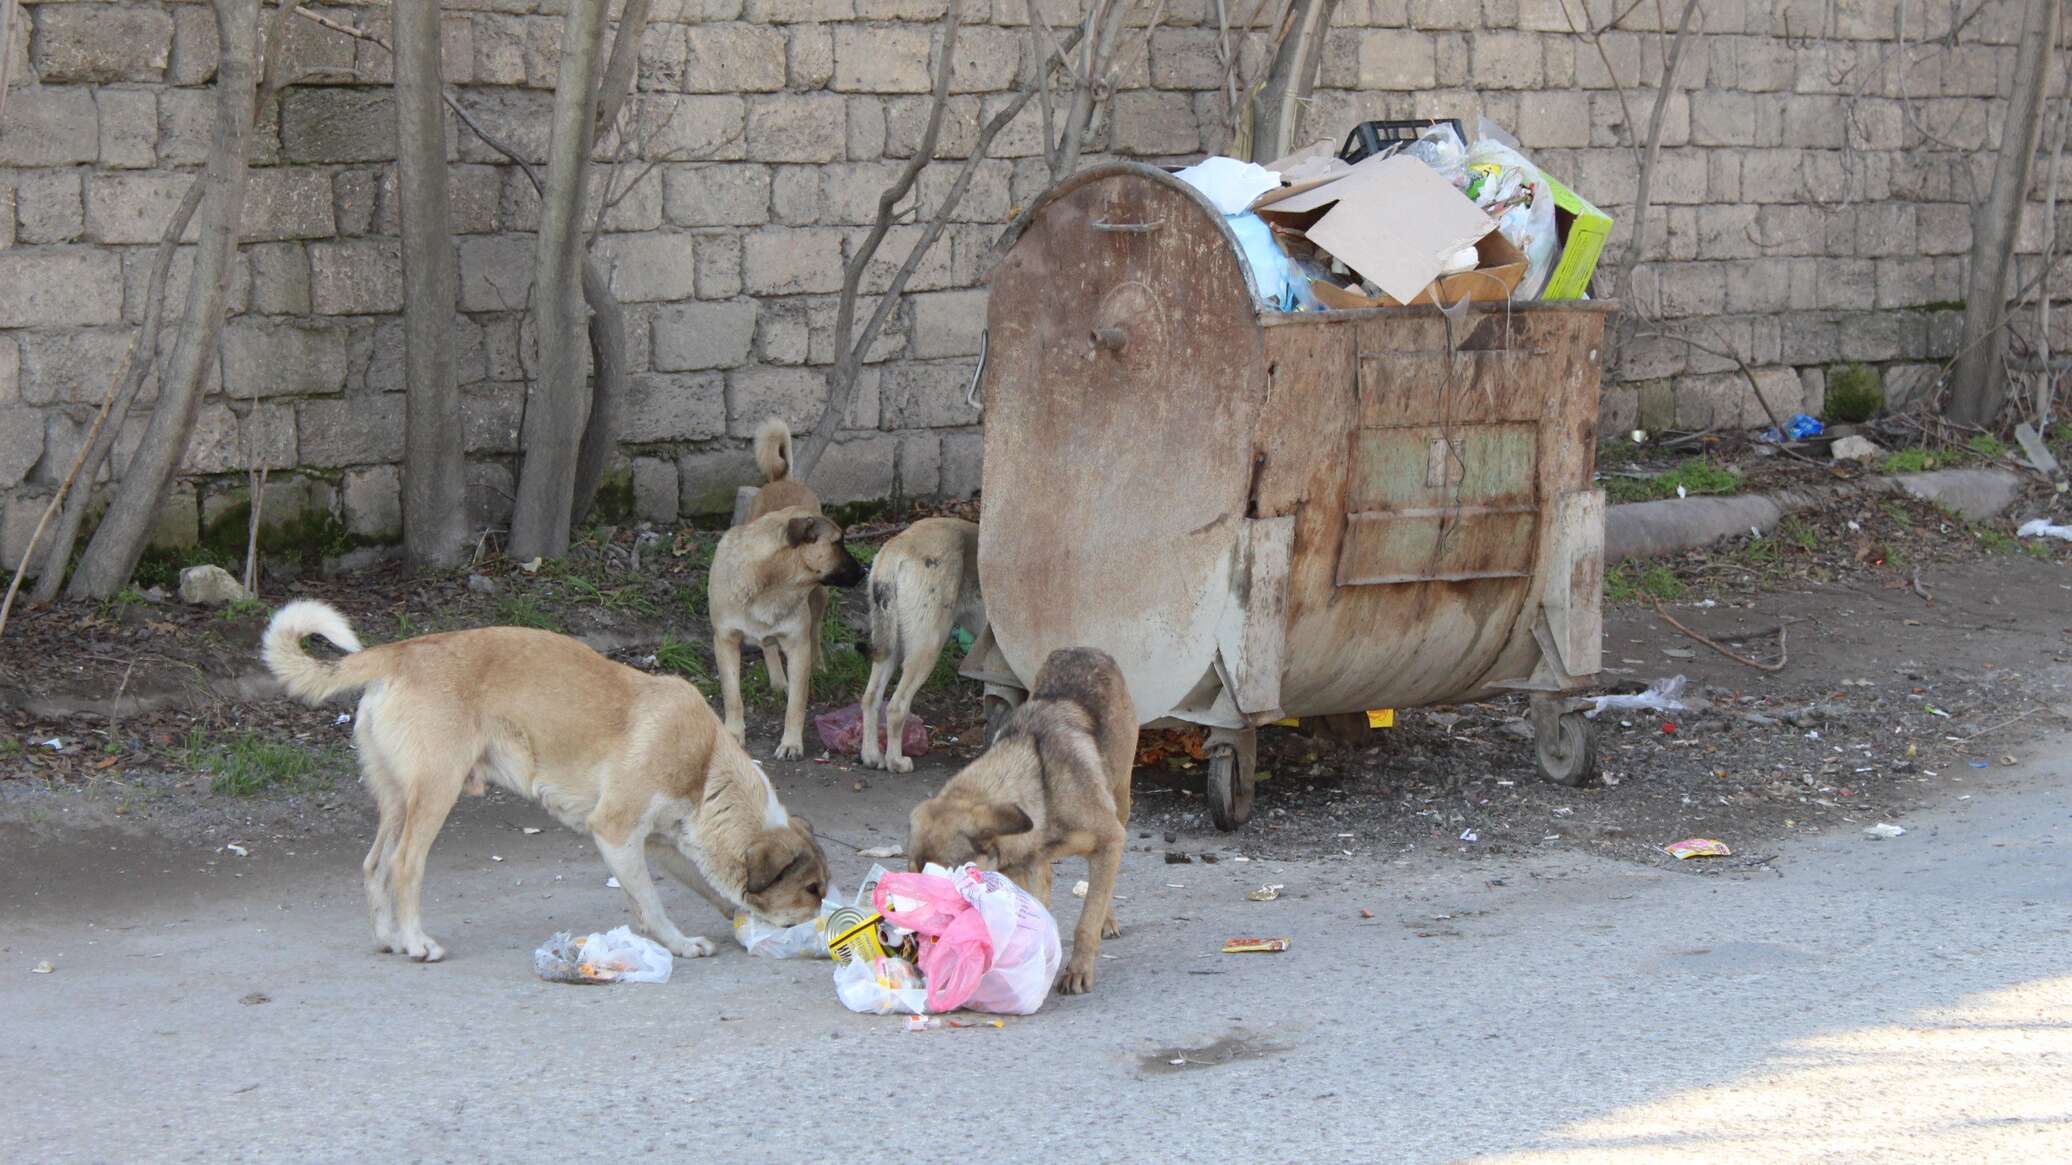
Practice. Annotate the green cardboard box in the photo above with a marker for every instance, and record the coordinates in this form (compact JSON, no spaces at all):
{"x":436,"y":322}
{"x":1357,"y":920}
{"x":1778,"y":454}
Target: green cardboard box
{"x":1583,"y":229}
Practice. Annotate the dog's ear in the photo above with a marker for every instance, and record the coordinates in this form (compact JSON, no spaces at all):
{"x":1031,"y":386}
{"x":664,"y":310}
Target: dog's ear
{"x":802,"y":529}
{"x":993,"y":821}
{"x":774,"y":852}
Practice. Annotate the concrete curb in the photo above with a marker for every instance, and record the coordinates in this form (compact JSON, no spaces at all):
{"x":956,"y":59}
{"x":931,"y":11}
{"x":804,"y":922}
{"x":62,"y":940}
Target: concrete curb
{"x":1654,"y":529}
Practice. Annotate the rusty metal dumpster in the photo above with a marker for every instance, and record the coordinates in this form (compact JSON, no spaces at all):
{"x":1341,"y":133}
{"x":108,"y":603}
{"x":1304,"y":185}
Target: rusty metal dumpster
{"x":1265,"y":515}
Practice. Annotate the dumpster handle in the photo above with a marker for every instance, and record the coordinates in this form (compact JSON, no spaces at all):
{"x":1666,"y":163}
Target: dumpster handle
{"x":1134,"y":228}
{"x":971,"y":390}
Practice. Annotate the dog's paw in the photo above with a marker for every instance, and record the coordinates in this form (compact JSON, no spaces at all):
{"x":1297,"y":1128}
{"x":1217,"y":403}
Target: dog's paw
{"x":695,"y":947}
{"x":870,"y":757}
{"x":738,"y":730}
{"x":1077,"y":979}
{"x":898,"y":764}
{"x":423,"y":949}
{"x":1110,"y":928}
{"x":790,"y":750}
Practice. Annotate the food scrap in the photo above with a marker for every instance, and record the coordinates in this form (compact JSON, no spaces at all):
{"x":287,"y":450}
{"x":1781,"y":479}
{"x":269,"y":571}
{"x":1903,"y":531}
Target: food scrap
{"x":1697,"y":847}
{"x":1247,"y":946}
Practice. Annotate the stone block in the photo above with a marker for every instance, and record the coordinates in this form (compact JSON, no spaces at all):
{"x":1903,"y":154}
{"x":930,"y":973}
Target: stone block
{"x":1554,"y":119}
{"x":795,"y":195}
{"x":491,"y":486}
{"x":129,"y":128}
{"x":1152,"y":124}
{"x":495,"y":273}
{"x":372,"y":499}
{"x":356,"y":277}
{"x":797,"y":127}
{"x":963,"y":454}
{"x":790,"y":262}
{"x":280,"y":278}
{"x":1508,"y":60}
{"x":932,"y":273}
{"x":48,"y":208}
{"x":339,"y":124}
{"x":920,"y":465}
{"x":809,"y":56}
{"x":362,"y":430}
{"x":654,"y":489}
{"x":19,"y":513}
{"x":716,"y":195}
{"x":288,"y":203}
{"x":10,"y":371}
{"x":675,"y":406}
{"x":50,"y":125}
{"x":707,"y":479}
{"x":734,"y":58}
{"x":135,"y":208}
{"x":225,"y":440}
{"x":21,"y":443}
{"x":644,"y":268}
{"x":857,"y":469}
{"x":92,"y":44}
{"x":491,"y":414}
{"x":194,"y":51}
{"x":266,"y":358}
{"x":883,"y":59}
{"x":696,"y":336}
{"x":928,"y":396}
{"x":60,"y":287}
{"x":948,"y":323}
{"x":1397,"y":59}
{"x":719,"y":266}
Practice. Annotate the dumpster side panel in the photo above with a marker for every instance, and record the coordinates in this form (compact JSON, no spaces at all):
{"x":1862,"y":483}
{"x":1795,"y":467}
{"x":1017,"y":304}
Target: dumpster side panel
{"x":1122,"y":390}
{"x":1422,"y":478}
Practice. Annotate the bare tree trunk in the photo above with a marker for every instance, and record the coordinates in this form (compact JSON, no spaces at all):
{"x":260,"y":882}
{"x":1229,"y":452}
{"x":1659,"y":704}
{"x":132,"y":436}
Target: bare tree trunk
{"x":607,"y":388}
{"x":620,"y":71}
{"x":435,"y":512}
{"x":119,"y":540}
{"x":1097,"y":49}
{"x":1978,"y":388}
{"x":556,"y":405}
{"x":1290,"y":79}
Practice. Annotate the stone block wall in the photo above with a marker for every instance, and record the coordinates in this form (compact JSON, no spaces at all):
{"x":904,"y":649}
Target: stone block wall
{"x":1812,"y":206}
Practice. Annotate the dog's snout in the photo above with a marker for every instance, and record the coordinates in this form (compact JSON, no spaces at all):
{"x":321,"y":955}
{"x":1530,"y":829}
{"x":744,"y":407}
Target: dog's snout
{"x":848,"y":573}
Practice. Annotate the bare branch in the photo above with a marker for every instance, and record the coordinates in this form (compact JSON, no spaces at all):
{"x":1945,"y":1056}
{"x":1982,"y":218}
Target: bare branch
{"x":1636,"y":245}
{"x":617,"y":83}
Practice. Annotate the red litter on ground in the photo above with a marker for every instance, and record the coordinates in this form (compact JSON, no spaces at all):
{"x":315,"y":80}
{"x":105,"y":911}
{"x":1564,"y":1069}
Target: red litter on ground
{"x":1697,"y":847}
{"x":1668,"y":728}
{"x":1246,"y":946}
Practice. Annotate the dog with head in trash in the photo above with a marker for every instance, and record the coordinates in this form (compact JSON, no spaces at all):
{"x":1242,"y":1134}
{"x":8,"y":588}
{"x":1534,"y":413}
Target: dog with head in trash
{"x":636,"y":761}
{"x":768,"y":585}
{"x":1055,"y":784}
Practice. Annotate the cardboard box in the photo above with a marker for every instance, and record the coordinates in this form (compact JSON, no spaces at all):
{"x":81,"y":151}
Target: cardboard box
{"x":1393,"y":220}
{"x":1495,"y":277}
{"x":1583,"y":230}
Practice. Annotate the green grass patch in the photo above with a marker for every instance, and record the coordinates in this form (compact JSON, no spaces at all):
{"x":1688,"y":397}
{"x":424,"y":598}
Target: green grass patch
{"x":1697,"y":475}
{"x":1854,"y":394}
{"x":242,"y":608}
{"x":1799,"y":534}
{"x":1660,"y":582}
{"x":1909,"y":461}
{"x":1631,"y":581}
{"x":582,"y":590}
{"x":684,"y":659}
{"x":525,"y":611}
{"x":1987,"y":446}
{"x":1996,"y":541}
{"x":249,"y":765}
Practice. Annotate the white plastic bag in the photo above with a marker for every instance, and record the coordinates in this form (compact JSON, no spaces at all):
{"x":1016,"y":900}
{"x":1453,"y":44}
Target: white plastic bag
{"x":616,"y":956}
{"x":882,"y":986}
{"x":807,"y":940}
{"x":1661,"y":696}
{"x":1229,"y":184}
{"x":989,"y":946}
{"x":1517,"y":196}
{"x":2039,"y":528}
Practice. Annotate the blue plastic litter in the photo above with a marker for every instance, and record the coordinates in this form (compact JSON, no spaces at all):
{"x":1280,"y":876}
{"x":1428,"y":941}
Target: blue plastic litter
{"x":1801,"y":426}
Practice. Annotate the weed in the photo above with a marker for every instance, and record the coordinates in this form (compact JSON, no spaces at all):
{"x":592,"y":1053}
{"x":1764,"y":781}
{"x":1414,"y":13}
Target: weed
{"x":1620,"y":585}
{"x":1696,"y":475}
{"x":1899,"y":515}
{"x":10,"y":747}
{"x":1799,"y":534}
{"x":1853,"y":394}
{"x":582,"y":590}
{"x":242,"y":607}
{"x":684,"y":659}
{"x":405,"y":628}
{"x":126,"y":597}
{"x":842,"y":664}
{"x":1661,"y":582}
{"x":866,"y":553}
{"x":1910,"y":461}
{"x":1996,"y":542}
{"x":1761,"y":552}
{"x":1987,"y":446}
{"x":523,"y":611}
{"x":250,"y":765}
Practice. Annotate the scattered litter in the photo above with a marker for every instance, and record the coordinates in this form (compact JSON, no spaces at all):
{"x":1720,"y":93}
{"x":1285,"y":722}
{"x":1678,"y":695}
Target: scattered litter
{"x":841,"y":733}
{"x":1979,"y":764}
{"x":42,"y":968}
{"x":881,"y":851}
{"x":1679,"y":653}
{"x":2009,"y":761}
{"x":1176,"y":857}
{"x":236,"y":849}
{"x":532,"y":567}
{"x":995,"y":948}
{"x":616,"y":956}
{"x":54,"y":744}
{"x":1932,"y":710}
{"x":1266,"y":893}
{"x":1365,"y":913}
{"x":881,"y":986}
{"x":531,"y":829}
{"x":344,"y":718}
{"x":1883,"y":832}
{"x":1229,"y":183}
{"x":1254,"y":946}
{"x":609,"y":883}
{"x":1470,"y":835}
{"x":1080,"y":888}
{"x":1800,"y":427}
{"x":495,"y":858}
{"x":1663,"y":696}
{"x":1697,"y":847}
{"x":2038,"y":528}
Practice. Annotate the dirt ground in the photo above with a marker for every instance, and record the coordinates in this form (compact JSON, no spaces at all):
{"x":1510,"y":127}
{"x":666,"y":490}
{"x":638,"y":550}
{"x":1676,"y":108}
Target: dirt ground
{"x":1917,"y":650}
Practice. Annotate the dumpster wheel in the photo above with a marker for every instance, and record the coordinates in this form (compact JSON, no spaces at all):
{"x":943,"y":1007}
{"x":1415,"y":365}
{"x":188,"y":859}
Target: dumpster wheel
{"x":1232,"y":759}
{"x":1564,"y":743}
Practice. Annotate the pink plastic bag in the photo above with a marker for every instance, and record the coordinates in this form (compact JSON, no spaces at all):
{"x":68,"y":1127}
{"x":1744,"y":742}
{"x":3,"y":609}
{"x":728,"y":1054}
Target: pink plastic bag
{"x":987,"y":945}
{"x":841,"y":732}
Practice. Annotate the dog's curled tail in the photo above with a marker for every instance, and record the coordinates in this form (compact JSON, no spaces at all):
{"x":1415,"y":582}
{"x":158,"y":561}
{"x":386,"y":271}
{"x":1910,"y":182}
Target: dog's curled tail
{"x":306,"y":677}
{"x":773,"y":449}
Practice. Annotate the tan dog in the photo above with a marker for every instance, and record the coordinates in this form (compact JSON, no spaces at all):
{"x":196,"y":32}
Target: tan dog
{"x":923,"y":583}
{"x":765,"y":574}
{"x":1056,"y":784}
{"x":781,"y":491}
{"x":636,"y":761}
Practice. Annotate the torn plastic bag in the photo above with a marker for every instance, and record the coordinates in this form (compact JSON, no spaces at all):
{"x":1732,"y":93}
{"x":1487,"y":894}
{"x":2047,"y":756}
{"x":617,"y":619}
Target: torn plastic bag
{"x":882,"y":986}
{"x":2038,"y":528}
{"x":1269,"y":265}
{"x":1517,"y":196}
{"x":616,"y":956}
{"x":841,"y":733}
{"x":807,"y":940}
{"x":1229,"y":184}
{"x":994,"y":948}
{"x":1661,"y":696}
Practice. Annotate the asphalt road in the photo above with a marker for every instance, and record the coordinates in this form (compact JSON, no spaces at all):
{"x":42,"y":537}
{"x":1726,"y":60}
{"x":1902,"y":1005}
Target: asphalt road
{"x":1861,"y":1001}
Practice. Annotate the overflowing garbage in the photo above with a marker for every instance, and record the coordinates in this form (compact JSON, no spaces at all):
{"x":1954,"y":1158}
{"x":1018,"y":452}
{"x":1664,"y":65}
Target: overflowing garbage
{"x":1405,"y":212}
{"x":615,"y":956}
